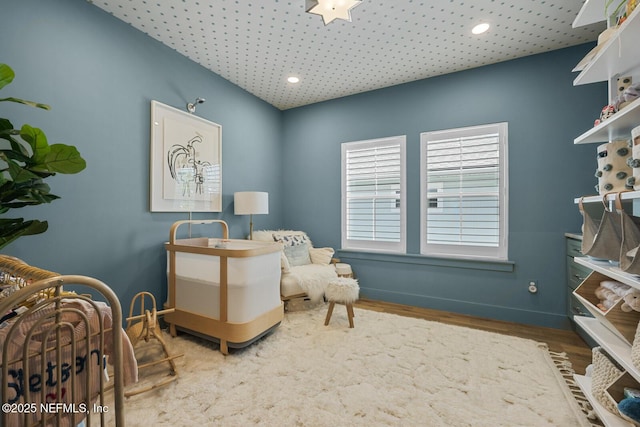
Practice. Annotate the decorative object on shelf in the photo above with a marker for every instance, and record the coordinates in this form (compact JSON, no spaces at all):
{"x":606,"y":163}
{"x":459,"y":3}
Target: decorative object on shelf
{"x":619,"y":14}
{"x":605,"y":373}
{"x":631,"y":300}
{"x":251,"y":203}
{"x":630,"y":94}
{"x":607,"y":111}
{"x":627,"y":93}
{"x":629,"y":409}
{"x":602,"y":40}
{"x":631,"y":5}
{"x":186,"y":162}
{"x":331,"y":9}
{"x":613,"y":169}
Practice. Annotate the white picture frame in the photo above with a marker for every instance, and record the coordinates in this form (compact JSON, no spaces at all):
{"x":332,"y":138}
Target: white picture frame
{"x":186,"y":162}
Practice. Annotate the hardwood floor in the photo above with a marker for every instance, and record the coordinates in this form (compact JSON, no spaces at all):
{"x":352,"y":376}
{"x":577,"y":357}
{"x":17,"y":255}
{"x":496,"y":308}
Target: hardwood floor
{"x":558,"y":340}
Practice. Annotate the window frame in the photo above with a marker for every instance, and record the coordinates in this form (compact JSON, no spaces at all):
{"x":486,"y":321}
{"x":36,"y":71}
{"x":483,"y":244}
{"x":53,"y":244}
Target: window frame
{"x":468,"y":251}
{"x":373,"y":245}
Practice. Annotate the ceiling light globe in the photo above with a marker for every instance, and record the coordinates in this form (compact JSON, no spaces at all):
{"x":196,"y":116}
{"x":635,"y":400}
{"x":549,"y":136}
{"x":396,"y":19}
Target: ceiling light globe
{"x":293,"y":79}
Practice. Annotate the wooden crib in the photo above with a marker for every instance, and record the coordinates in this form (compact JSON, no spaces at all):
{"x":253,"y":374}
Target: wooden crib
{"x":54,"y":344}
{"x":224,"y":289}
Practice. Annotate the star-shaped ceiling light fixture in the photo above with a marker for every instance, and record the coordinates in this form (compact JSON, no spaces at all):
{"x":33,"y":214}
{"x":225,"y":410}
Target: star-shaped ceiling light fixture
{"x":332,"y":9}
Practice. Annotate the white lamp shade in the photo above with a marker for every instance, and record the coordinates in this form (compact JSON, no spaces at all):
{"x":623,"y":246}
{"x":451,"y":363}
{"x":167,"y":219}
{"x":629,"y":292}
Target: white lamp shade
{"x":251,"y":202}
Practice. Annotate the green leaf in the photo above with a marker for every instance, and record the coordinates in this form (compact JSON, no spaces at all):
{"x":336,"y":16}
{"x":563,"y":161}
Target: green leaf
{"x":38,"y":142}
{"x":19,"y":174}
{"x":17,"y":155}
{"x":5,"y":125}
{"x":6,"y":75}
{"x":64,"y":159}
{"x":17,"y":195}
{"x":11,"y":229}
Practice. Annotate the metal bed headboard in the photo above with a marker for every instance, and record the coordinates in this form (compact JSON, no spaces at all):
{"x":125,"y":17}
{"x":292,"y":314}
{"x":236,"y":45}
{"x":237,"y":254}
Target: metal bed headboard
{"x":55,"y":355}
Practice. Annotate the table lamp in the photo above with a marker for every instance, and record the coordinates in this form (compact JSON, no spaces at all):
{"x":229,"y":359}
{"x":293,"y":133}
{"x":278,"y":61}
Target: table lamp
{"x":251,"y":203}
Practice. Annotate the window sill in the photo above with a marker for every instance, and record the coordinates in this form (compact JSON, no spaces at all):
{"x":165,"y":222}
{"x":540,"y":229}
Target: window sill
{"x":469,"y":263}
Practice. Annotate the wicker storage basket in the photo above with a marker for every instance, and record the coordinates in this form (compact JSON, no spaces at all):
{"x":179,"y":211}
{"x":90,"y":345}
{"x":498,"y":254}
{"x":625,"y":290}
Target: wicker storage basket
{"x":635,"y":349}
{"x":605,"y":373}
{"x":615,"y":392}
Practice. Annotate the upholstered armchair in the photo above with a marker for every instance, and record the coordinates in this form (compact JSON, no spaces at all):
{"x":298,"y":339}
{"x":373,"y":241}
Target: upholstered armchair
{"x":306,"y":270}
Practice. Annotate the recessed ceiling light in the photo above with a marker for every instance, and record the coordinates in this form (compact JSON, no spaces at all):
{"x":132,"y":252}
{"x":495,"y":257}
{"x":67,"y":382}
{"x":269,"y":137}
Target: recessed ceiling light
{"x":293,"y":79}
{"x":480,"y":28}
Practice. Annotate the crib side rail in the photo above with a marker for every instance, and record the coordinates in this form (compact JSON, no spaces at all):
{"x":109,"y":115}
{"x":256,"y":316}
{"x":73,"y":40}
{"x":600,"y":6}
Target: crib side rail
{"x":56,"y":283}
{"x":175,"y":225}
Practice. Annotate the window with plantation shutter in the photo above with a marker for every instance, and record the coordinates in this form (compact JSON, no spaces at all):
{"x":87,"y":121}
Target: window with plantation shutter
{"x":464,"y":192}
{"x":373,"y":195}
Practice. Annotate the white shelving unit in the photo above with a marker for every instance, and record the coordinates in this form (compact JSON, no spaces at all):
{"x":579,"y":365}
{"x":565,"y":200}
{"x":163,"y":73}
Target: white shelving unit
{"x":618,"y":57}
{"x":629,"y":195}
{"x":613,"y":345}
{"x":592,"y":11}
{"x":605,"y":416}
{"x":606,"y":268}
{"x":617,"y":126}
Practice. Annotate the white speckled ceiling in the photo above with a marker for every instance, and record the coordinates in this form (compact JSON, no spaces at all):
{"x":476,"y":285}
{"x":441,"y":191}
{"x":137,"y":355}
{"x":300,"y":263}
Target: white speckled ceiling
{"x":258,"y":44}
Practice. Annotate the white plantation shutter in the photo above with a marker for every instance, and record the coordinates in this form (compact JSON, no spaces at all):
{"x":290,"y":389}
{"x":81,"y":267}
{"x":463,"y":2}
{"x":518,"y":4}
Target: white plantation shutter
{"x":464,"y":192}
{"x":373,"y":194}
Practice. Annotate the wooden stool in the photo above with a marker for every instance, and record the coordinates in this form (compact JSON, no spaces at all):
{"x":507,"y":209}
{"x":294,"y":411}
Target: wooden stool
{"x":344,"y":270}
{"x":342,"y":290}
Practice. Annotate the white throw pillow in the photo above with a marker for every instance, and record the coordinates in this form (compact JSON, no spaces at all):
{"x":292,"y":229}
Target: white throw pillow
{"x":298,"y":254}
{"x":321,"y":255}
{"x":284,"y":263}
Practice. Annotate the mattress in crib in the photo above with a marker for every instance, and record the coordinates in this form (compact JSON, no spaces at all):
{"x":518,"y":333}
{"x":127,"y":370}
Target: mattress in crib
{"x":253,"y":285}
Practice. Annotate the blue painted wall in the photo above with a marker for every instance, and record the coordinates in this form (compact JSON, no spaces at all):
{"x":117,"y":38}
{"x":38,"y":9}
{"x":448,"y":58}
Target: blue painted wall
{"x":100,"y":75}
{"x":544,"y":111}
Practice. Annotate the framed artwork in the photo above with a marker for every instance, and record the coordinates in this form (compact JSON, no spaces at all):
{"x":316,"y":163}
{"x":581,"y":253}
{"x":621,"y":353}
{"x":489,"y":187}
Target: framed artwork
{"x":186,"y":162}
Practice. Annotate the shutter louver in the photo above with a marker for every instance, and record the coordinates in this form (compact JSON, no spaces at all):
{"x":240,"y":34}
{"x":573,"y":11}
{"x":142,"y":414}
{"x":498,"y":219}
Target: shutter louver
{"x":467,"y":171}
{"x":464,"y":192}
{"x":373,"y":192}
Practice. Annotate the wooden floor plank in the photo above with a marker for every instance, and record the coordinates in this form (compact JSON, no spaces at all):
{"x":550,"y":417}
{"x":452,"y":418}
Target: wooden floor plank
{"x":558,"y":340}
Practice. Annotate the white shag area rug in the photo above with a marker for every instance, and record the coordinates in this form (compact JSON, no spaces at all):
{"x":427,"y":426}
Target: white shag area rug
{"x":388,"y":370}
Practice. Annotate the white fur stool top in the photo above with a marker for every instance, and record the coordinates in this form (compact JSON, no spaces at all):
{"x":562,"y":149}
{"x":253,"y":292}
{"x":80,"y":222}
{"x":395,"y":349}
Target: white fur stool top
{"x":343,"y":290}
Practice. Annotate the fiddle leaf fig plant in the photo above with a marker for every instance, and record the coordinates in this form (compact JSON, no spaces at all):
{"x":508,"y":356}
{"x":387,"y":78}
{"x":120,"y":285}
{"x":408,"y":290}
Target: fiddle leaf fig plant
{"x":26,"y":159}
